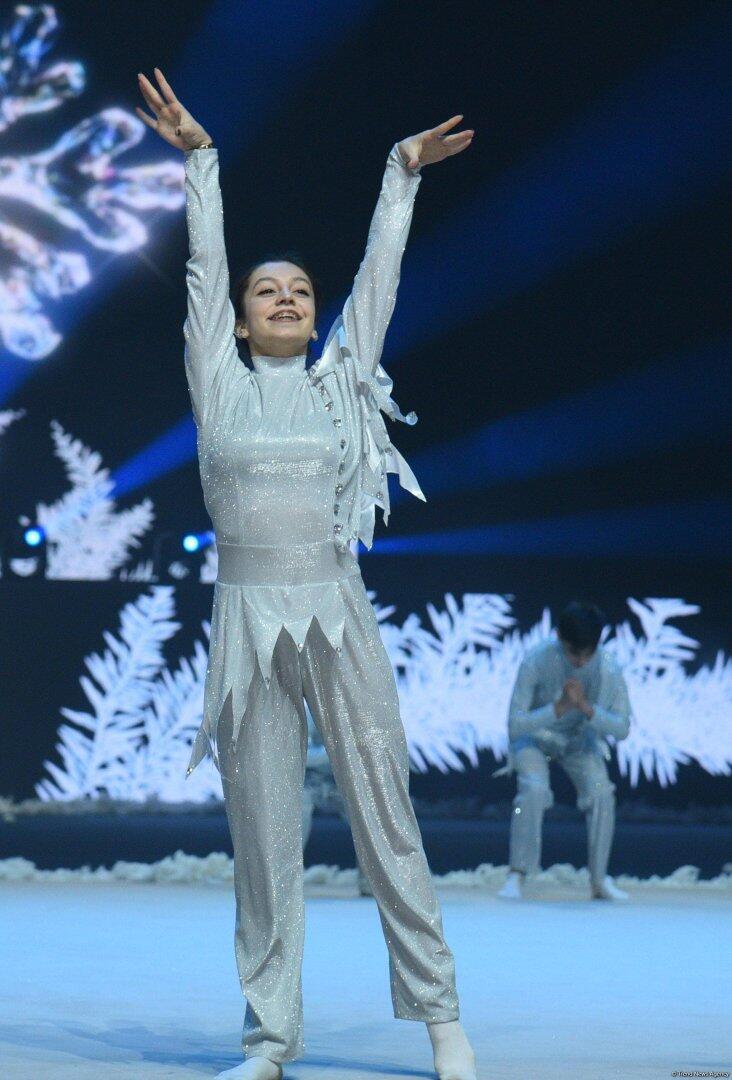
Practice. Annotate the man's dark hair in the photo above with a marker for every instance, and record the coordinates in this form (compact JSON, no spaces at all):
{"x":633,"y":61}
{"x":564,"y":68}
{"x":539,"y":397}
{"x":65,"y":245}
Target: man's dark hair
{"x":242,"y":282}
{"x":580,"y":625}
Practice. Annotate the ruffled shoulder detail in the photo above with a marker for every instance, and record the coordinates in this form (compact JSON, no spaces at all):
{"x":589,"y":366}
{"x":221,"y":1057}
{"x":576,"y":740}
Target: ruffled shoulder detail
{"x":379,"y":455}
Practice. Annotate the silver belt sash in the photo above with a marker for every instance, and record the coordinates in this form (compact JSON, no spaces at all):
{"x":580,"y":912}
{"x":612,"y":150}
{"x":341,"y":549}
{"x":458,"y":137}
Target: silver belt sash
{"x":287,"y":564}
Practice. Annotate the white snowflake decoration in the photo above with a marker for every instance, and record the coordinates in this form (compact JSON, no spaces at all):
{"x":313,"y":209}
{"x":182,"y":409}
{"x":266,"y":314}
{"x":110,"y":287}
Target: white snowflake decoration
{"x":694,"y":712}
{"x":442,"y":676}
{"x":8,"y":417}
{"x":21,"y":567}
{"x":454,"y":684}
{"x":210,"y":566}
{"x":86,"y":538}
{"x":144,"y":571}
{"x":75,"y":183}
{"x":99,"y":748}
{"x":168,"y":727}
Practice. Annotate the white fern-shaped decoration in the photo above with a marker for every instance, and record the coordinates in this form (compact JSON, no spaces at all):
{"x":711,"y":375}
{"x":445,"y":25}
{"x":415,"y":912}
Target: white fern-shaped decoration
{"x":454,"y":678}
{"x":144,"y":571}
{"x":441,"y":676}
{"x":85,"y":537}
{"x":678,"y":717}
{"x":210,"y":565}
{"x":169,"y":725}
{"x":9,"y":416}
{"x":455,"y":698}
{"x":395,"y":637}
{"x":119,"y":688}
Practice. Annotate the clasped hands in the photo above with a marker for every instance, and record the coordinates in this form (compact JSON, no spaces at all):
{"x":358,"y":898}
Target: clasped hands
{"x":573,"y":697}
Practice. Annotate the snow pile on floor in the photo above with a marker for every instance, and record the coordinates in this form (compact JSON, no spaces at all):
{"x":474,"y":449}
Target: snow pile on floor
{"x":218,"y":868}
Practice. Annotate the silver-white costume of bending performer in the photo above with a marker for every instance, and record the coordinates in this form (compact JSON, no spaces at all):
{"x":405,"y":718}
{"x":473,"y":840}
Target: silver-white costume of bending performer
{"x":293,"y":463}
{"x":536,"y":736}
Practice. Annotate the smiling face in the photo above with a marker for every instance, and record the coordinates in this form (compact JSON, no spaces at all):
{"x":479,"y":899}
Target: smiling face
{"x":279,"y":308}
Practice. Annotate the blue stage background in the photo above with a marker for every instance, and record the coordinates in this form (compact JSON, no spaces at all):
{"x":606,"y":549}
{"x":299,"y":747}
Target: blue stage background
{"x":562,"y":330}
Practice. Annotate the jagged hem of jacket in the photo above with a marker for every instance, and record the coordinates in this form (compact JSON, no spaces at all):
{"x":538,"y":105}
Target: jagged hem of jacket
{"x":253,"y":610}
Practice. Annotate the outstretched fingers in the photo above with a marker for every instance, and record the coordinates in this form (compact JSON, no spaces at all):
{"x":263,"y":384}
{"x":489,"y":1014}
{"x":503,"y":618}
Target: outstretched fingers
{"x":455,"y":143}
{"x":150,"y":94}
{"x":448,"y":124}
{"x":165,"y":87}
{"x":145,"y":118}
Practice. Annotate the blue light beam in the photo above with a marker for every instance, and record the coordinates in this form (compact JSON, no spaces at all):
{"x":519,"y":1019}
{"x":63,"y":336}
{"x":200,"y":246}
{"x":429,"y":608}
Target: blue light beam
{"x":665,"y":404}
{"x":245,"y":60}
{"x":694,"y":528}
{"x":654,"y":142}
{"x":172,"y":449}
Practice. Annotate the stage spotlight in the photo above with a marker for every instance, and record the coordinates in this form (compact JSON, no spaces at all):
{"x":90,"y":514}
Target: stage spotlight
{"x":24,"y":550}
{"x":193,"y":542}
{"x":177,"y":558}
{"x":34,"y":536}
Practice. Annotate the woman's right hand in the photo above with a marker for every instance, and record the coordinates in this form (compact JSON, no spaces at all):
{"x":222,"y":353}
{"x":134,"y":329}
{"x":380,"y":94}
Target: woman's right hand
{"x":172,"y":120}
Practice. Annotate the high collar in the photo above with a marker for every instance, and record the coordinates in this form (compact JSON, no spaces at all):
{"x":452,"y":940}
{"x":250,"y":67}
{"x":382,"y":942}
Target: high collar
{"x":279,"y":364}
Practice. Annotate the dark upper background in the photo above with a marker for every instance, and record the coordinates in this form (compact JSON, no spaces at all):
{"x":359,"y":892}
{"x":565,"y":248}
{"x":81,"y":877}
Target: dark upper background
{"x":309,"y":176}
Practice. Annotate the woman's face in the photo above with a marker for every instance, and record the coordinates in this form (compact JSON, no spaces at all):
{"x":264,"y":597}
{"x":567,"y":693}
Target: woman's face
{"x":279,"y":310}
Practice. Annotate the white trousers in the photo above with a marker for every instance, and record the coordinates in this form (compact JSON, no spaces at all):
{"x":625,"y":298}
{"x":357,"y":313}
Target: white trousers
{"x":595,"y":797}
{"x":354,"y":702}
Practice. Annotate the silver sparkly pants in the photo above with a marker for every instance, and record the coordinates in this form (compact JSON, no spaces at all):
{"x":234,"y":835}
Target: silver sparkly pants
{"x":354,"y":702}
{"x":595,"y":797}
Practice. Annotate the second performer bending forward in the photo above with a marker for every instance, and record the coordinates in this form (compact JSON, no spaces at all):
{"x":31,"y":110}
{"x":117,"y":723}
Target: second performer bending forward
{"x":293,"y":463}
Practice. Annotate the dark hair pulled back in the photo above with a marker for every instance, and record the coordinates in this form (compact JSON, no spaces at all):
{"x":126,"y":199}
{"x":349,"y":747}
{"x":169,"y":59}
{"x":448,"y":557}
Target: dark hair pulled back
{"x":243,"y":279}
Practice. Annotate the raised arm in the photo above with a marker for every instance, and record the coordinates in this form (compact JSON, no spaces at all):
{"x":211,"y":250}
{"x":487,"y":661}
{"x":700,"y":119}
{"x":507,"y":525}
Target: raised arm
{"x":369,"y":307}
{"x":210,"y":349}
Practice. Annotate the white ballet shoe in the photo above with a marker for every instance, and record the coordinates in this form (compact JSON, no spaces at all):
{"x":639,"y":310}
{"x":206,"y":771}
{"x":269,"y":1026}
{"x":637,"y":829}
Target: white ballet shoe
{"x":608,"y":890}
{"x":512,"y":890}
{"x":256,"y":1068}
{"x":454,"y":1057}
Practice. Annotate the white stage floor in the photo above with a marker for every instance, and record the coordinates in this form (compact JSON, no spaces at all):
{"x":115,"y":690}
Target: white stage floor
{"x":138,"y":981}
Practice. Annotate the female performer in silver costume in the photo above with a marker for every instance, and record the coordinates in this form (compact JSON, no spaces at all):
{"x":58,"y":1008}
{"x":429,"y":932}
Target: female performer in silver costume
{"x":293,"y":463}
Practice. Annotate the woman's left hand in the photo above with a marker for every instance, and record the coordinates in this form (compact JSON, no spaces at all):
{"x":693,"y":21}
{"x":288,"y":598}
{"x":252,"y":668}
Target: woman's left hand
{"x":435,"y":144}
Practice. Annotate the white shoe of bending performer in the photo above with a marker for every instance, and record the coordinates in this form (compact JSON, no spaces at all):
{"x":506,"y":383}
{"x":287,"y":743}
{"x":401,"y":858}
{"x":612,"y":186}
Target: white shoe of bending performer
{"x":454,"y":1057}
{"x":512,"y":890}
{"x":256,"y":1068}
{"x":608,"y":890}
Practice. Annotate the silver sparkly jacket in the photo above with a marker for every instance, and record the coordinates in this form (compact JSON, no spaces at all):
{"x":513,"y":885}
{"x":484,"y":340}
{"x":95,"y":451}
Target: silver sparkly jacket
{"x":293,"y":462}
